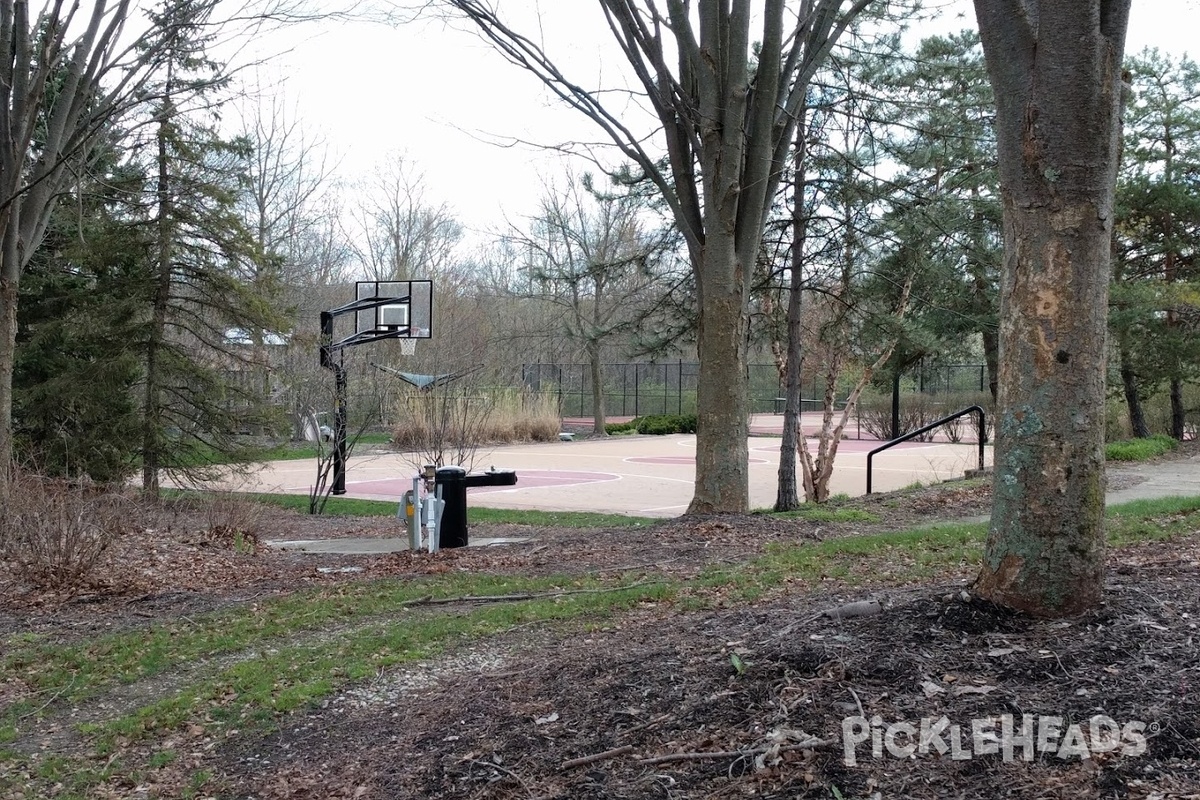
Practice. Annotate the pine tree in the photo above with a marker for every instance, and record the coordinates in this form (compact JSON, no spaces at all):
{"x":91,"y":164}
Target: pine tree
{"x":199,"y":376}
{"x":1155,"y":306}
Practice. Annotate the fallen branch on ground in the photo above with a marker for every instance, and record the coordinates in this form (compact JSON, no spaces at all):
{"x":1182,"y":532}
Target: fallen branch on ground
{"x":594,"y":757}
{"x":811,"y":744}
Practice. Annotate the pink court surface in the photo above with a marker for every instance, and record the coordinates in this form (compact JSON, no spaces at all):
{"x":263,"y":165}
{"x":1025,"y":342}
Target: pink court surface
{"x":643,"y":475}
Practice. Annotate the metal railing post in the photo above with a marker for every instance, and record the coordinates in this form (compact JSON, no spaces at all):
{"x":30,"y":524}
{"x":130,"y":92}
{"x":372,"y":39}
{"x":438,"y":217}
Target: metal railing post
{"x":914,"y":434}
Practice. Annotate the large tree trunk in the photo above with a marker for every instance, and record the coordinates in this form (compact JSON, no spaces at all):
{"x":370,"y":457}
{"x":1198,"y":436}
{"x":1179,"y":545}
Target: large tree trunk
{"x":1055,"y":68}
{"x":722,"y":398}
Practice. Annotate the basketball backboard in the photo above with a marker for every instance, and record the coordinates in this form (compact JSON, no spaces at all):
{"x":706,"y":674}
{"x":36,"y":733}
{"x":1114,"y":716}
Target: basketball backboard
{"x":409,"y":314}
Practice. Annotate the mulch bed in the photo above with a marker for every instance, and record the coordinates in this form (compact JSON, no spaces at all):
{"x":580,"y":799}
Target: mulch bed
{"x":659,"y":703}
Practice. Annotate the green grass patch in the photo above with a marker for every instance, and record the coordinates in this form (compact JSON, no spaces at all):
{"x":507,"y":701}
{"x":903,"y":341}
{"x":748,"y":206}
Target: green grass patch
{"x":295,"y":451}
{"x":925,"y":553}
{"x":287,"y":677}
{"x":1139,"y":449}
{"x":821,"y":512}
{"x":1152,"y":520}
{"x":79,"y":670}
{"x":561,"y":519}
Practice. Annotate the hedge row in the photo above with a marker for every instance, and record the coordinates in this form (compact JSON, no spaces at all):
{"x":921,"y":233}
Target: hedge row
{"x":655,"y":424}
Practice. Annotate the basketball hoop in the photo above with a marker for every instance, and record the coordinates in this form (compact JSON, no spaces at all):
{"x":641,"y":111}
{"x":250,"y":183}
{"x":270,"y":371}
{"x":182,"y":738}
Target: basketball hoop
{"x":408,"y":347}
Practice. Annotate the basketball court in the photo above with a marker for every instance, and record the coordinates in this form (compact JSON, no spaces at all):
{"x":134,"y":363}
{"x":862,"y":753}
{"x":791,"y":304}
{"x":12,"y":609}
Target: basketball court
{"x":643,"y":475}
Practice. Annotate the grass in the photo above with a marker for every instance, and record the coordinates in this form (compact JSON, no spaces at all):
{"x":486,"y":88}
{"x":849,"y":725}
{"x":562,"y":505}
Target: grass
{"x":348,"y":506}
{"x":296,"y":451}
{"x":814,"y":512}
{"x":1139,"y":449}
{"x":248,"y":665}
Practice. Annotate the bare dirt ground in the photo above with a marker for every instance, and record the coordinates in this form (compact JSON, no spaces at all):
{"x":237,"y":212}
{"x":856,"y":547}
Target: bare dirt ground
{"x":733,"y":700}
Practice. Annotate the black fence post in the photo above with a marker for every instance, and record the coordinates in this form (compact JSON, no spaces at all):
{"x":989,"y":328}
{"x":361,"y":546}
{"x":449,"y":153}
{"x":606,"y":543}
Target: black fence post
{"x":637,"y":391}
{"x":679,"y":397}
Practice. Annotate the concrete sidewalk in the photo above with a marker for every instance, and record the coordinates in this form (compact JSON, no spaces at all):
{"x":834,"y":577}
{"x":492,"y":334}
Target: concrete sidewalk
{"x":1179,"y":478}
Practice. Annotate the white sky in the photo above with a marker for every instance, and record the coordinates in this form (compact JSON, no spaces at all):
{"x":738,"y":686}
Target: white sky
{"x":439,"y":95}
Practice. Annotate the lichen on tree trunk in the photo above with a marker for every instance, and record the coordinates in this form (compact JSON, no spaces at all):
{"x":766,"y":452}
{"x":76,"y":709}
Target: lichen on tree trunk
{"x":1045,"y":548}
{"x":1055,"y":70}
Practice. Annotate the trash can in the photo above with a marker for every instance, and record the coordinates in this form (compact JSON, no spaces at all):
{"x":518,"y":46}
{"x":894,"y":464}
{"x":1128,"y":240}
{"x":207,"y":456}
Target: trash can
{"x":452,"y":531}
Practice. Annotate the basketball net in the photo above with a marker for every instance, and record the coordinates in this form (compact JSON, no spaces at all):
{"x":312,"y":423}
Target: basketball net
{"x":408,"y":347}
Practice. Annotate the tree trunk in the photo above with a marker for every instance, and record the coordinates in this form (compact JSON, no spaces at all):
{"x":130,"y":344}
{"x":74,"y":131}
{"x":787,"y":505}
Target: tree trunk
{"x":152,"y":421}
{"x":1045,"y":549}
{"x":8,"y":348}
{"x":598,"y":416}
{"x":1178,"y":415}
{"x":1055,"y":68}
{"x":1133,"y":398}
{"x":787,"y":495}
{"x":722,"y":397}
{"x":897,"y":372}
{"x":991,"y":357}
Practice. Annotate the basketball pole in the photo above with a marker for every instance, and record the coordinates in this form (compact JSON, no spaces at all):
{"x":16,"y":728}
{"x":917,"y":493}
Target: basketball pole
{"x":339,"y":426}
{"x":328,"y":347}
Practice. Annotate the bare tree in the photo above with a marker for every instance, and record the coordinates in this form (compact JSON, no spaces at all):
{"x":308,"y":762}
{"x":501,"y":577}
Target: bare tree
{"x":591,"y":255}
{"x":726,"y":98}
{"x":1056,"y":71}
{"x":398,"y":234}
{"x":287,"y":194}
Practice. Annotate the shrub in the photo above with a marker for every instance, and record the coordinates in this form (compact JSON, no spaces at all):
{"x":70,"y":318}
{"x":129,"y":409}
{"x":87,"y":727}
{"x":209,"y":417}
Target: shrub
{"x":231,"y":520}
{"x":664,"y":424}
{"x":440,"y":421}
{"x":55,"y":534}
{"x":919,"y":410}
{"x":620,"y":428}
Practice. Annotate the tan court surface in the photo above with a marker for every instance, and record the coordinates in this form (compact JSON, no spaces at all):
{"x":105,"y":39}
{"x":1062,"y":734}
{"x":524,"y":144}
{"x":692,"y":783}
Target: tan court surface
{"x":643,"y":475}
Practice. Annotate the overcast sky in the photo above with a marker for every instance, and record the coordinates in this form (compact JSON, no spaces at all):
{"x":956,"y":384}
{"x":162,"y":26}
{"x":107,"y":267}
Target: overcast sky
{"x":442,"y":97}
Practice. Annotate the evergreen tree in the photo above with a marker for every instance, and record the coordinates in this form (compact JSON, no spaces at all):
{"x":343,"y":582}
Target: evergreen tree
{"x":944,"y":208}
{"x":74,"y":410}
{"x":1155,"y":304}
{"x":199,"y":371}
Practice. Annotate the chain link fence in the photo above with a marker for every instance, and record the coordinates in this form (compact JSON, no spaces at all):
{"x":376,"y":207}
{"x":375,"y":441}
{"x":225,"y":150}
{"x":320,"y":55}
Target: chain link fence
{"x":642,"y":388}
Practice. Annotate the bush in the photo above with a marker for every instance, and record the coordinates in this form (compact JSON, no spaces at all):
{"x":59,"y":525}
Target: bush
{"x":664,"y":424}
{"x":440,"y":421}
{"x":55,"y":534}
{"x":919,"y":410}
{"x":654,"y":425}
{"x":231,"y":520}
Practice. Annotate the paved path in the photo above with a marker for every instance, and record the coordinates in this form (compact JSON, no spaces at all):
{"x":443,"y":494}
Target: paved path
{"x":1179,"y":478}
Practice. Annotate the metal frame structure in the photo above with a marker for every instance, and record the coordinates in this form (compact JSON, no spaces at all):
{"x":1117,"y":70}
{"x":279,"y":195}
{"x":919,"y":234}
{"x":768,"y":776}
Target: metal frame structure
{"x":363,"y":334}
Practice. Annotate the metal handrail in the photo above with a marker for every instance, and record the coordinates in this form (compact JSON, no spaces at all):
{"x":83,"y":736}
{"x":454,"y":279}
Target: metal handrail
{"x":929,"y":427}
